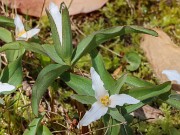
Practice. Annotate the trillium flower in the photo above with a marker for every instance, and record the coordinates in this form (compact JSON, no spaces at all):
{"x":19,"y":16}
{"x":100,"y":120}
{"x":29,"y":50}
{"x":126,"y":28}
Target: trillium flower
{"x":21,"y":33}
{"x":104,"y":100}
{"x":5,"y":87}
{"x":172,"y":75}
{"x":57,"y":17}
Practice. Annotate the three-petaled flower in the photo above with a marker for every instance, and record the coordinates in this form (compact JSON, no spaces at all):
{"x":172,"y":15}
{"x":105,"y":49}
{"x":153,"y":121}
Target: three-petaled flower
{"x":5,"y":87}
{"x":172,"y":75}
{"x":21,"y":33}
{"x":100,"y":107}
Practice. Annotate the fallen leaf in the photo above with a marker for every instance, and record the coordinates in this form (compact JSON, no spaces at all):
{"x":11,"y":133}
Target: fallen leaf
{"x":34,"y":7}
{"x":161,"y":53}
{"x":148,"y":113}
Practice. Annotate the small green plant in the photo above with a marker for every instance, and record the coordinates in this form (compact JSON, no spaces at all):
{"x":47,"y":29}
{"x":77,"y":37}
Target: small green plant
{"x":65,"y":57}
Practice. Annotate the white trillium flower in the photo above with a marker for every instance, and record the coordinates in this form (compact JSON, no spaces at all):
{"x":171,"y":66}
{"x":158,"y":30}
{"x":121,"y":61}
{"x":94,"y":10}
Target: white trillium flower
{"x":172,"y":75}
{"x":21,"y":33}
{"x":100,"y":107}
{"x":57,"y":17}
{"x":5,"y":87}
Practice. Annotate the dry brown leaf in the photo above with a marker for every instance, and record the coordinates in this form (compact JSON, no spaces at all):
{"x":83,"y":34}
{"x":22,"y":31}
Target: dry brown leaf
{"x":162,"y":53}
{"x":34,"y":7}
{"x":148,"y":113}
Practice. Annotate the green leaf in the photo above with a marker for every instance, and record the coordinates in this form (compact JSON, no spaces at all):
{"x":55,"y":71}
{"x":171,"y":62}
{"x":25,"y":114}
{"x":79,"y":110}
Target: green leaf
{"x":64,"y":50}
{"x":175,"y":96}
{"x":81,"y":85}
{"x":126,"y":130}
{"x":84,"y":99}
{"x":151,"y":91}
{"x":173,"y":102}
{"x":13,"y":73}
{"x":97,"y":38}
{"x":97,"y":63}
{"x":131,"y":108}
{"x":34,"y":125}
{"x":44,"y":79}
{"x":116,"y":115}
{"x":67,"y":47}
{"x":51,"y":52}
{"x":12,"y":55}
{"x":5,"y":21}
{"x":34,"y":47}
{"x":43,"y":130}
{"x":114,"y":127}
{"x":134,"y":81}
{"x":119,"y":83}
{"x":5,"y":35}
{"x":134,"y":60}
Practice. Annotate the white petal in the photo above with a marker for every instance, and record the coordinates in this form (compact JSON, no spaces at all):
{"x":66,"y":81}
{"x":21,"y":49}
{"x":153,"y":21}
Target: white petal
{"x":172,"y":75}
{"x":32,"y":32}
{"x":22,"y":37}
{"x":121,"y":99}
{"x":5,"y":87}
{"x":97,"y":84}
{"x":97,"y":110}
{"x":57,"y":17}
{"x":19,"y":25}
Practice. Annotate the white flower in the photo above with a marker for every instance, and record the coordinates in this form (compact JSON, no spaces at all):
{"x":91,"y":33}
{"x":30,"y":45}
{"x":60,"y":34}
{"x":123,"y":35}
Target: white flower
{"x":5,"y":87}
{"x":172,"y":75}
{"x":100,"y":107}
{"x":57,"y":17}
{"x":20,"y":32}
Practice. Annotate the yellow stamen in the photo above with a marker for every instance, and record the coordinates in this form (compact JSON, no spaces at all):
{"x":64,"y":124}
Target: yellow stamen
{"x":105,"y":100}
{"x":21,"y":33}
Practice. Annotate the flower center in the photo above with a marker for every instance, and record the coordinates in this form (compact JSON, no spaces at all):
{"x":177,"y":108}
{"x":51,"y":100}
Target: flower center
{"x":105,"y":100}
{"x":21,"y":33}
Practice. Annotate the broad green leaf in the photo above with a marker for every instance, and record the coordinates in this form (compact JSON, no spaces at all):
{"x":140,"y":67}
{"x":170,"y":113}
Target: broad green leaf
{"x":149,"y":92}
{"x":136,"y":82}
{"x":97,"y":63}
{"x":44,"y":79}
{"x":131,"y":108}
{"x":84,"y":99}
{"x":81,"y":85}
{"x":51,"y":52}
{"x":175,"y":96}
{"x":55,"y":35}
{"x":114,"y":128}
{"x":67,"y":47}
{"x":43,"y":130}
{"x":126,"y":130}
{"x":134,"y":61}
{"x":34,"y":125}
{"x":64,"y":50}
{"x":173,"y":102}
{"x":12,"y":55}
{"x":34,"y":47}
{"x":115,"y":114}
{"x":5,"y":21}
{"x":97,"y":38}
{"x":5,"y":35}
{"x":118,"y":85}
{"x":1,"y":101}
{"x":13,"y":73}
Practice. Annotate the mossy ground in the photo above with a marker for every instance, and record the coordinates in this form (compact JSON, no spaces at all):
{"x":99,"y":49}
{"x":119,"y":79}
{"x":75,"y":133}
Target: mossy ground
{"x":16,"y":114}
